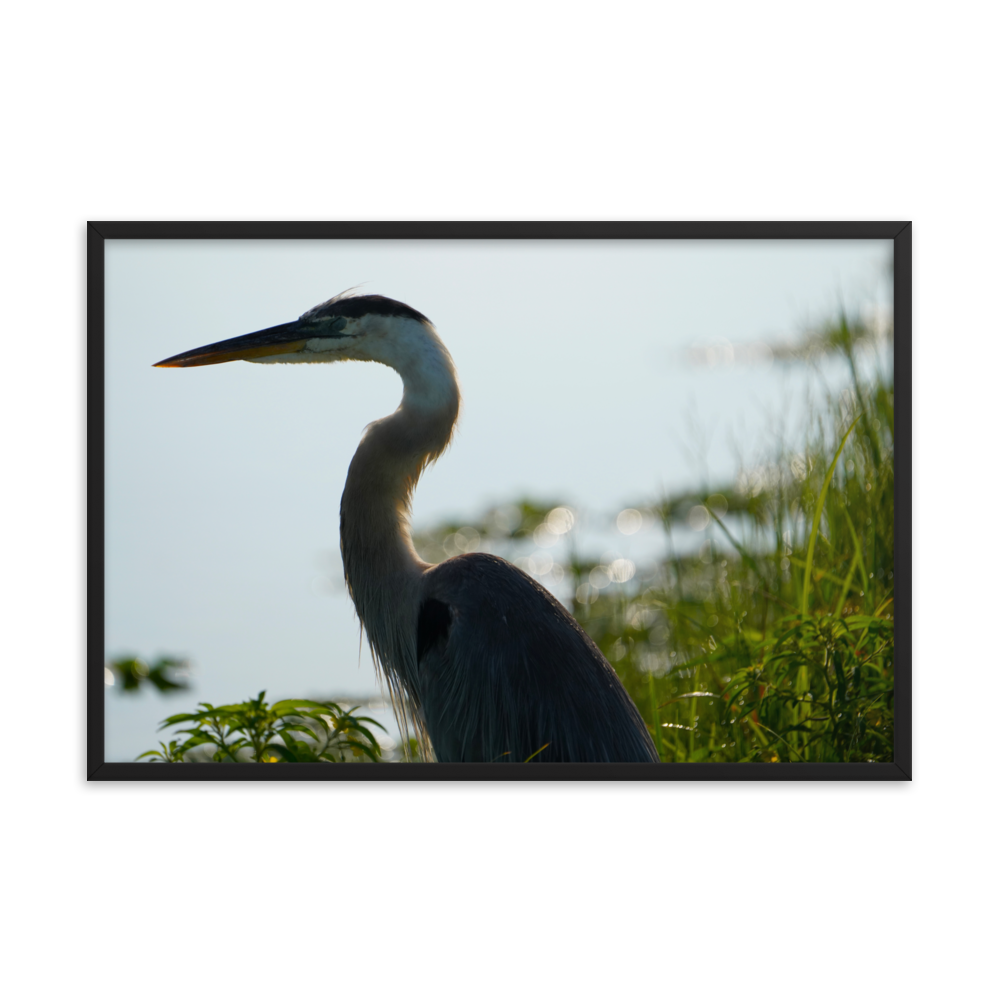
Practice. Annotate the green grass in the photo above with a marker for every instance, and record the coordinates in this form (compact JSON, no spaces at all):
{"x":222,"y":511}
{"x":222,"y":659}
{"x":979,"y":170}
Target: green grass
{"x":775,"y":641}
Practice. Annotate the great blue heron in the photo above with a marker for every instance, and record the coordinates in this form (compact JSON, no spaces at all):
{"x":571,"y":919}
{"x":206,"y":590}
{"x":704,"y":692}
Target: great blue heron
{"x":482,"y":659}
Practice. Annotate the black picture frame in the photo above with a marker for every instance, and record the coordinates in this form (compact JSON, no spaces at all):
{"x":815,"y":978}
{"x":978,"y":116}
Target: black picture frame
{"x":900,"y":233}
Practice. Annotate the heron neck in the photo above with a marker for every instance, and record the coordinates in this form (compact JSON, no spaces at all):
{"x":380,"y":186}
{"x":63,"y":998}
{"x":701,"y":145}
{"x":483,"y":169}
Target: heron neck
{"x":376,"y":503}
{"x":381,"y":566}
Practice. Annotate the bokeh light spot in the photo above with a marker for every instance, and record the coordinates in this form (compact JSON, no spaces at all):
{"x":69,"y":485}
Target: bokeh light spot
{"x":698,"y":518}
{"x":559,"y":520}
{"x":717,"y":504}
{"x":621,"y":570}
{"x":629,"y":521}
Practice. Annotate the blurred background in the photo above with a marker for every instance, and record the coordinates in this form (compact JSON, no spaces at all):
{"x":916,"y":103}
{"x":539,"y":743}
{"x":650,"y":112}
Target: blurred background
{"x":599,"y":379}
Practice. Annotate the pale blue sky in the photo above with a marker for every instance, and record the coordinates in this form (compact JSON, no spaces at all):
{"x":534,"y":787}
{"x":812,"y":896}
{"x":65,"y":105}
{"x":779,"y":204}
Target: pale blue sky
{"x":224,"y":482}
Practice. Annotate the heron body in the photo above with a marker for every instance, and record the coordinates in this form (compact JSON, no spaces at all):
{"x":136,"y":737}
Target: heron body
{"x":481,"y":658}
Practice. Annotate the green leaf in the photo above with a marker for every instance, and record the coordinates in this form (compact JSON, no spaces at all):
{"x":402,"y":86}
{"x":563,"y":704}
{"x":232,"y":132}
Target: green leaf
{"x":288,"y":739}
{"x":285,"y":753}
{"x":291,"y":704}
{"x":295,"y":727}
{"x":368,"y":751}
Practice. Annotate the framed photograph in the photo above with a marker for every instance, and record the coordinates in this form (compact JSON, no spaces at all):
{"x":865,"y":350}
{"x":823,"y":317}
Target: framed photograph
{"x":609,"y":501}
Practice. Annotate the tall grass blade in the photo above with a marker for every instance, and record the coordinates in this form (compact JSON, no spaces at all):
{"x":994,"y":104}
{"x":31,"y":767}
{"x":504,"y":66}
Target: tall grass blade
{"x":857,"y":563}
{"x":819,"y":513}
{"x":655,"y":709}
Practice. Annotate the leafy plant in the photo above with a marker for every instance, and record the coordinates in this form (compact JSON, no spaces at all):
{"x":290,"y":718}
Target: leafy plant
{"x":295,"y":730}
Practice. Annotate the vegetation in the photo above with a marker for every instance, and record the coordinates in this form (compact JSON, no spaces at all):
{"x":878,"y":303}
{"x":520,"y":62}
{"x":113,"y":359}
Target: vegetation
{"x":167,"y":674}
{"x":768,"y":639}
{"x":295,"y":731}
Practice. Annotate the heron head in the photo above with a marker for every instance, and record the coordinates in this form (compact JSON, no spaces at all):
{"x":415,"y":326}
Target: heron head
{"x":344,"y":328}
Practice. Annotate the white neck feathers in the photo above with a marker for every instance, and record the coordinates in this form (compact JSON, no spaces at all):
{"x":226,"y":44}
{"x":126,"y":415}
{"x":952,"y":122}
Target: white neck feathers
{"x":380,"y":564}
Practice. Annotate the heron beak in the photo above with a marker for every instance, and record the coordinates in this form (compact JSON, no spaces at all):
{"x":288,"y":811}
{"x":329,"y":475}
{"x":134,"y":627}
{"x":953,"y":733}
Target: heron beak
{"x":284,"y":339}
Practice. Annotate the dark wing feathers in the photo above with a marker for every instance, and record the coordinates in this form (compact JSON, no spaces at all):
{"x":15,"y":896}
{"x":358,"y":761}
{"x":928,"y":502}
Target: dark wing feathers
{"x":432,"y":625}
{"x":505,"y":669}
